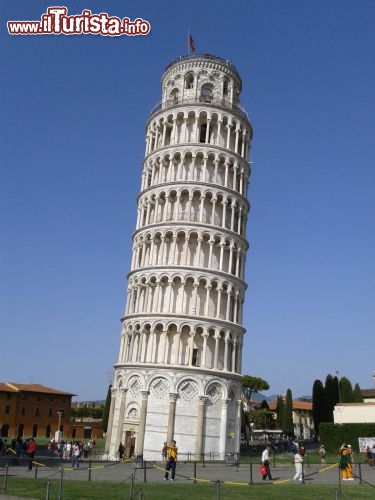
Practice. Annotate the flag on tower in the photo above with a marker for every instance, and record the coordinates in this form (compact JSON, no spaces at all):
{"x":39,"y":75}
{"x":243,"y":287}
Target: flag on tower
{"x":191,"y":44}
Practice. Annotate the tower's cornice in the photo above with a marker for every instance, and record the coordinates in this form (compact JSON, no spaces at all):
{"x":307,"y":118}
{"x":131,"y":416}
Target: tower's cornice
{"x":205,"y":61}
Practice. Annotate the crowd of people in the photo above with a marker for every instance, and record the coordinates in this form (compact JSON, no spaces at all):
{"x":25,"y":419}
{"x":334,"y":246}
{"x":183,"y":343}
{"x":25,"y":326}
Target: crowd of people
{"x":68,"y":449}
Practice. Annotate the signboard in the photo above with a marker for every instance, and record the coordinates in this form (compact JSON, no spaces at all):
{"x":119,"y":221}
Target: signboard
{"x":364,"y":442}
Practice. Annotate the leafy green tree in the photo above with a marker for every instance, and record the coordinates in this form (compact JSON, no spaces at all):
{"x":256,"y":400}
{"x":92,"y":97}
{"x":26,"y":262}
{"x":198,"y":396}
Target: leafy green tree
{"x":106,"y":409}
{"x":346,"y":390}
{"x":357,"y":393}
{"x":288,"y":427}
{"x":253,"y":385}
{"x":319,"y":403}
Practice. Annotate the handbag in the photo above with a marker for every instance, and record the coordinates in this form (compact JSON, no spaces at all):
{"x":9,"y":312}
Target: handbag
{"x":263,"y":470}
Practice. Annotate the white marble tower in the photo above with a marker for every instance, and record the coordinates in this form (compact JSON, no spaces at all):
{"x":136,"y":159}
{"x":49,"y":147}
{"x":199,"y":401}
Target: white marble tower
{"x":178,"y":374}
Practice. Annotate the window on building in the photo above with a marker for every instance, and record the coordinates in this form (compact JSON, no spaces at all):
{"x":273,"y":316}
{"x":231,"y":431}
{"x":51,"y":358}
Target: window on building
{"x":202,"y":135}
{"x":9,"y":395}
{"x":206,"y":94}
{"x":38,"y":398}
{"x":50,"y":412}
{"x":24,"y":397}
{"x":7,"y":410}
{"x":195,"y":360}
{"x":23,"y":410}
{"x":51,"y":400}
{"x":174,"y":96}
{"x":37,"y":412}
{"x":189,"y":81}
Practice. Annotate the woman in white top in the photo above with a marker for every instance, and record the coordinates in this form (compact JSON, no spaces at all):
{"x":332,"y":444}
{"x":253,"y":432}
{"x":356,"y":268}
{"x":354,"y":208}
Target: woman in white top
{"x":266,"y":463}
{"x":298,"y":461}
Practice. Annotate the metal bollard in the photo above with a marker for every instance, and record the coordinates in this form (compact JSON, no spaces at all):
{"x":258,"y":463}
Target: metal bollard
{"x":90,"y":470}
{"x":303,"y":473}
{"x":217,"y":490}
{"x":6,"y":478}
{"x":47,"y":489}
{"x":251,"y":473}
{"x":144,"y":471}
{"x":36,"y":471}
{"x":360,"y":474}
{"x":61,"y":484}
{"x":195,"y":472}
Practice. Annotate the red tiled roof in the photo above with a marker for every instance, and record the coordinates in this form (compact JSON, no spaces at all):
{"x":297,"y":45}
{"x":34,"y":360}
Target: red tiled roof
{"x":368,"y":393}
{"x":297,"y":405}
{"x":15,"y":387}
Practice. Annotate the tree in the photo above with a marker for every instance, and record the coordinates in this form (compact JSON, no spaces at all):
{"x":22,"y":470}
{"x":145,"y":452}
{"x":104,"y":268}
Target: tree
{"x":319,"y":403}
{"x":106,"y":409}
{"x":346,"y":391}
{"x":288,"y":426}
{"x":331,"y":394}
{"x":280,"y":409}
{"x":336,"y":390}
{"x":253,"y":385}
{"x":357,"y":394}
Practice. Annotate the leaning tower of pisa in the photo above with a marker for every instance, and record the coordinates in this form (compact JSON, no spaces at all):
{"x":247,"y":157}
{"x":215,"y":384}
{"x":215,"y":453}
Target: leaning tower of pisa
{"x":178,"y":374}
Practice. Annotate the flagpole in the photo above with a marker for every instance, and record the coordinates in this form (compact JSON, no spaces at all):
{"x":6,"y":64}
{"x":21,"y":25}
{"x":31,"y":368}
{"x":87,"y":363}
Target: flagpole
{"x":188,"y":42}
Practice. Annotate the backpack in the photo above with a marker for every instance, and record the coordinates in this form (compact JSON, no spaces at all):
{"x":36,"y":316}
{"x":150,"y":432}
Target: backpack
{"x":344,"y":460}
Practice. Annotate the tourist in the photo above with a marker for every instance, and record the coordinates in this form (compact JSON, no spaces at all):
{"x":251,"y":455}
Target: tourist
{"x":76,"y":452}
{"x":266,"y":463}
{"x":298,"y":463}
{"x":31,"y":449}
{"x":171,"y":460}
{"x":121,"y":450}
{"x":345,"y":464}
{"x":322,"y":454}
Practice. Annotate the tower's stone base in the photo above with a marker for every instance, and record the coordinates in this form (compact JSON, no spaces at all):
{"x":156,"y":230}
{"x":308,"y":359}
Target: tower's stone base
{"x":200,"y":410}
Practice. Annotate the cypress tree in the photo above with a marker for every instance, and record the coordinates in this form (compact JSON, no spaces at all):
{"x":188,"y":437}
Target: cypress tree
{"x":336,"y":391}
{"x":288,"y":426}
{"x":346,"y":390}
{"x":319,"y":402}
{"x":330,"y":390}
{"x":106,"y":410}
{"x":357,"y":393}
{"x":280,"y":408}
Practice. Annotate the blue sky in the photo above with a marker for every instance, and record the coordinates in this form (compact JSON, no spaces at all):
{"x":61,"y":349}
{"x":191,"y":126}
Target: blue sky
{"x":73,"y":114}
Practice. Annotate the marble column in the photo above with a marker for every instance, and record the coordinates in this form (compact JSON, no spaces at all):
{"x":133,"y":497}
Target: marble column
{"x":142,"y":424}
{"x":199,"y":433}
{"x":120,"y":422}
{"x":171,"y":416}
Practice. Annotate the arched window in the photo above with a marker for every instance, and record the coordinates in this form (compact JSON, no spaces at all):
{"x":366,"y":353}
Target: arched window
{"x":174,"y":96}
{"x":206,"y":93}
{"x":189,"y":81}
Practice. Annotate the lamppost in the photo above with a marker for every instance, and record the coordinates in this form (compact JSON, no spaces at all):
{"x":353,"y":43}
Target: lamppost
{"x":338,"y":383}
{"x":58,"y":434}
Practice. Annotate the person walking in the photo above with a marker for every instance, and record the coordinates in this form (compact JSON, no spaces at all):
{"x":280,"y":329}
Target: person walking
{"x":164,"y":453}
{"x":121,"y":451}
{"x":298,"y":464}
{"x":31,"y":449}
{"x":76,"y":452}
{"x":322,"y":453}
{"x":266,"y":463}
{"x":171,"y":461}
{"x":345,"y":464}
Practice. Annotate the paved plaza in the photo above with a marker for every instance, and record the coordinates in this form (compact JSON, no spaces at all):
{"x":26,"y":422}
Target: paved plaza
{"x":186,"y":472}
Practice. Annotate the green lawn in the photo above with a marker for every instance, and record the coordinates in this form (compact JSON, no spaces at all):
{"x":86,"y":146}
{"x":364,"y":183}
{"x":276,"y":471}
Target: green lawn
{"x":79,"y":490}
